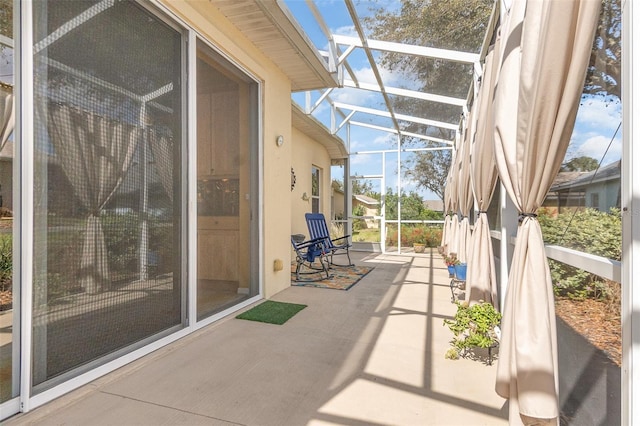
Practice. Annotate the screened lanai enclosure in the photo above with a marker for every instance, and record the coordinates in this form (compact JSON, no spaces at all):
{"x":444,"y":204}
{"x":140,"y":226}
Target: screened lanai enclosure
{"x":511,"y":133}
{"x":137,"y":170}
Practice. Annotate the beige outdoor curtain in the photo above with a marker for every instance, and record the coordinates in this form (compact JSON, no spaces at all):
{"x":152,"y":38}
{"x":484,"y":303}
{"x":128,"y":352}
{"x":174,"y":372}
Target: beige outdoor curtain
{"x":453,"y":183}
{"x":7,"y":114}
{"x":465,"y":195}
{"x":546,"y":50}
{"x":446,"y":228}
{"x":95,"y":154}
{"x":162,"y":149}
{"x":447,"y":220}
{"x":481,"y":272}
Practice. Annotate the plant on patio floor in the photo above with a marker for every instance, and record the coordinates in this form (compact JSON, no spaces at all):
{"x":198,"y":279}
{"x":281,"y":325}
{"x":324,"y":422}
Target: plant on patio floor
{"x":473,"y":327}
{"x":451,"y":260}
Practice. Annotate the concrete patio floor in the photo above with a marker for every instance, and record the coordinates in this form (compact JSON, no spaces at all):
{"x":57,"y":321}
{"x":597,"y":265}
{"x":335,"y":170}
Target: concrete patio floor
{"x":372,"y":355}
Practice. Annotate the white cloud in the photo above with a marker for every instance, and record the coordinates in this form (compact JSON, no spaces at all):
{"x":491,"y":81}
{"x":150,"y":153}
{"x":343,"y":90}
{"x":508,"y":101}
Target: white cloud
{"x":595,"y":113}
{"x":389,"y":78}
{"x":385,"y":140}
{"x":596,"y":146}
{"x":366,"y":164}
{"x":353,"y":96}
{"x":596,"y":125}
{"x":346,"y":30}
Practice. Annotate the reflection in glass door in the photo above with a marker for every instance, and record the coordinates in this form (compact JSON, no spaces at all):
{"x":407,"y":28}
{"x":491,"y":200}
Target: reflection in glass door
{"x":9,"y":352}
{"x":226,"y":124}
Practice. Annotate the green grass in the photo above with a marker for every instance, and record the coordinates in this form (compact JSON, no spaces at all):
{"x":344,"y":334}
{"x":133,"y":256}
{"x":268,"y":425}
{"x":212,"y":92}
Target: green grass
{"x":366,"y":235}
{"x":272,"y":312}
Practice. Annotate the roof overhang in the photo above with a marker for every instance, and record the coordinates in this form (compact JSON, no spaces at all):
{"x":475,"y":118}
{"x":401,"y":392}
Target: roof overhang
{"x":311,"y":127}
{"x":272,"y":29}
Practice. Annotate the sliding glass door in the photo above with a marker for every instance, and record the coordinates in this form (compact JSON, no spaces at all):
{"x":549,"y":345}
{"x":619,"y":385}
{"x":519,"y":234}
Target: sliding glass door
{"x":226,"y":135}
{"x":108,"y":191}
{"x":9,"y":311}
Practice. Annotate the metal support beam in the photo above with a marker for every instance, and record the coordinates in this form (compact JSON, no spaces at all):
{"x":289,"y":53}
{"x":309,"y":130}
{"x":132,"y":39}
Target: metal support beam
{"x":372,"y":61}
{"x":428,"y":52}
{"x":409,"y":118}
{"x":407,"y":93}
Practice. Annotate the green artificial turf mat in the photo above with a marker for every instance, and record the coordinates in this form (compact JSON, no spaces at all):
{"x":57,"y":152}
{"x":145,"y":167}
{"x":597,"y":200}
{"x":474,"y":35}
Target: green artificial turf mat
{"x":272,"y":312}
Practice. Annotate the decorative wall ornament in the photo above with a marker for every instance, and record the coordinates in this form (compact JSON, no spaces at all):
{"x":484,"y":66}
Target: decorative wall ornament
{"x":293,"y":179}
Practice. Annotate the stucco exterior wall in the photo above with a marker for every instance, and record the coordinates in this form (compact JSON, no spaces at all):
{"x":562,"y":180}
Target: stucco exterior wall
{"x":275,"y":110}
{"x":305,"y":154}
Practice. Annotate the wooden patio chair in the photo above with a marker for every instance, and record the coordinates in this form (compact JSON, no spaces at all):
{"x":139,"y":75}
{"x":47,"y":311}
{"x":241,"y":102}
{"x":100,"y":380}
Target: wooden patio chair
{"x":318,"y":229}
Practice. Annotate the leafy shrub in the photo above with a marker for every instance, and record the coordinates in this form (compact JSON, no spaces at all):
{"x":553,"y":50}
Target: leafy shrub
{"x":473,"y":327}
{"x":121,"y":235}
{"x":589,"y":231}
{"x":64,"y":253}
{"x":430,"y":236}
{"x":6,"y":261}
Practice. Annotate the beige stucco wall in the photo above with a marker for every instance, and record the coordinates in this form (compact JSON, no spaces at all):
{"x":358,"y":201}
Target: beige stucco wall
{"x":275,"y":120}
{"x":306,"y":153}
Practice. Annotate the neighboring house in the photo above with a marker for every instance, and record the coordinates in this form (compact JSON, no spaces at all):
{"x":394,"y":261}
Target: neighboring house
{"x":337,"y":204}
{"x":598,"y":189}
{"x":369,"y":206}
{"x":435,"y":205}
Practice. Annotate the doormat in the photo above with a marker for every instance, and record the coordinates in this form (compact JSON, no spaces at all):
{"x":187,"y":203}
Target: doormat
{"x":272,"y":312}
{"x":340,"y":277}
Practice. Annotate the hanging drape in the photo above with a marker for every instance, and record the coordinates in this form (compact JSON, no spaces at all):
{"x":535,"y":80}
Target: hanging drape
{"x":446,"y":228}
{"x":162,"y":149}
{"x":95,"y":154}
{"x":546,"y":50}
{"x":453,"y":183}
{"x":481,"y":272}
{"x":7,"y":114}
{"x":465,"y":195}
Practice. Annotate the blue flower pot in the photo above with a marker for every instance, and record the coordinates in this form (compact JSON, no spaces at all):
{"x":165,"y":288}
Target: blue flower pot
{"x":461,"y":271}
{"x":451,"y":269}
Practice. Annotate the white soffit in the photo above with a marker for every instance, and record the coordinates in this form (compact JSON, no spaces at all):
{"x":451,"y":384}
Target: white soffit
{"x":311,"y":127}
{"x":272,"y":29}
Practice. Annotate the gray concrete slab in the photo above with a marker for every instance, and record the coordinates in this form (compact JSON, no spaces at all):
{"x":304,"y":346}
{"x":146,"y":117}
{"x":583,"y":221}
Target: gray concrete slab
{"x":373,"y":355}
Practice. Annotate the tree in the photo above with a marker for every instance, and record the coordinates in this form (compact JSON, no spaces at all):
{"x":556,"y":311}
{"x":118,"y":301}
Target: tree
{"x":603,"y":74}
{"x":6,"y":18}
{"x":580,"y":164}
{"x":361,"y":186}
{"x":429,"y":169}
{"x":412,"y":207}
{"x":447,"y":24}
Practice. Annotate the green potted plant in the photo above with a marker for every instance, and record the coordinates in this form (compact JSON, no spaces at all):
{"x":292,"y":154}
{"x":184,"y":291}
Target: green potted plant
{"x":475,"y":326}
{"x":419,"y":240}
{"x":451,"y":261}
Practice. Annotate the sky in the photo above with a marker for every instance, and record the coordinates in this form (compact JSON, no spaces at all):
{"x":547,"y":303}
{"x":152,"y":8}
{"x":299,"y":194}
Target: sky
{"x":596,"y":131}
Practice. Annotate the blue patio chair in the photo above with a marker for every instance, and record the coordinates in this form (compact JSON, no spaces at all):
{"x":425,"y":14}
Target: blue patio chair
{"x":318,"y":229}
{"x":306,"y":254}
